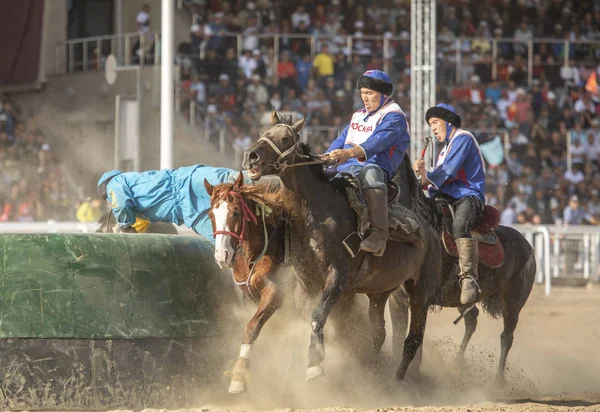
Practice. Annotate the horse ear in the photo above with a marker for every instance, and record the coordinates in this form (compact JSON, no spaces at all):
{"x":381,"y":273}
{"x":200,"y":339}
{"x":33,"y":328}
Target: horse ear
{"x":209,"y":187}
{"x":275,"y":118}
{"x":299,"y":124}
{"x":239,"y":182}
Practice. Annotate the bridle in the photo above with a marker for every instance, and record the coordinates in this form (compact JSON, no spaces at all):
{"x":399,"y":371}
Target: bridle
{"x":280,"y":163}
{"x":247,"y":216}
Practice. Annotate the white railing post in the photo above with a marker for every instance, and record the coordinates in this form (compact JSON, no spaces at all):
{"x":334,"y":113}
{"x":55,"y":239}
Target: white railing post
{"x":548,"y":279}
{"x":586,"y":256}
{"x":556,"y":266}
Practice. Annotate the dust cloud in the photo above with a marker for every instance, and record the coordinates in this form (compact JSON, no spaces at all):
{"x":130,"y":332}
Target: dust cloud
{"x":550,"y":367}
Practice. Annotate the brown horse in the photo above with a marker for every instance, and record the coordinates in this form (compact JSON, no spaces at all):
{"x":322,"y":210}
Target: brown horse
{"x":249,"y":236}
{"x":505,"y":289}
{"x":320,"y":219}
{"x":108,"y":224}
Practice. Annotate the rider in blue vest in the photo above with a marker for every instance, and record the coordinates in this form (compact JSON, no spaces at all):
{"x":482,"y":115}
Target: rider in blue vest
{"x":170,"y":195}
{"x":372,"y":147}
{"x":459,"y":177}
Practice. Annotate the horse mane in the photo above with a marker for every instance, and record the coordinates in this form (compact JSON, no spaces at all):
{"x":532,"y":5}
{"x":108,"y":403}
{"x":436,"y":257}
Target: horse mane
{"x":264,"y":194}
{"x":285,"y":119}
{"x":423,"y":206}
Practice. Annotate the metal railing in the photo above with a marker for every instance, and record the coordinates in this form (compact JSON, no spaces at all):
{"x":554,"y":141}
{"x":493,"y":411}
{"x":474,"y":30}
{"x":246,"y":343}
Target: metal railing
{"x":569,"y":252}
{"x":90,"y":53}
{"x":453,"y":57}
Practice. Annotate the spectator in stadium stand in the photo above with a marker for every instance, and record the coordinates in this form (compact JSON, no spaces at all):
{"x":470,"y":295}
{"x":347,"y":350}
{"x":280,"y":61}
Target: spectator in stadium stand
{"x":7,"y":120}
{"x":143,"y":17}
{"x":231,"y":65}
{"x":508,"y":217}
{"x":574,"y":214}
{"x":90,"y":211}
{"x":199,"y":37}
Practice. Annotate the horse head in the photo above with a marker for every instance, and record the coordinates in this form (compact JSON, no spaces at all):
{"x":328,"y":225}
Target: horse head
{"x":278,"y":145}
{"x":235,"y":222}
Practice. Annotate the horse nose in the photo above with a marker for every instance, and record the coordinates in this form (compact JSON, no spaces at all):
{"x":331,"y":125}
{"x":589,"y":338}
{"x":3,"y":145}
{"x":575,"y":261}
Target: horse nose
{"x":250,"y":157}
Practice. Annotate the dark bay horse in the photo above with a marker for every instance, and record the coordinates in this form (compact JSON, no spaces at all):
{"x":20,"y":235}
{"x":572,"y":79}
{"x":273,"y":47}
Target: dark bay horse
{"x":320,"y":218}
{"x":504,"y":289}
{"x":108,"y":224}
{"x":249,"y":236}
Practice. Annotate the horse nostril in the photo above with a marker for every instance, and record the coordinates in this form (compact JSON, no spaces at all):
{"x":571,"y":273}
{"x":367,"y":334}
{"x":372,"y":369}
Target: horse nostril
{"x":226,"y":256}
{"x":253,"y":157}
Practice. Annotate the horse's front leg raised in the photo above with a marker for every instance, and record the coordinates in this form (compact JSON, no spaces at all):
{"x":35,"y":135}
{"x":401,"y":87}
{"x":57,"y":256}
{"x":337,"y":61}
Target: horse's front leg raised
{"x":270,"y":301}
{"x":335,"y":286}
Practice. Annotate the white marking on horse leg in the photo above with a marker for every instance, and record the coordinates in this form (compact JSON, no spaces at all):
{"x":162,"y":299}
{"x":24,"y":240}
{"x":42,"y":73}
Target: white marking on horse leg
{"x":314,"y":372}
{"x":245,"y":351}
{"x":223,"y":250}
{"x":237,"y":387}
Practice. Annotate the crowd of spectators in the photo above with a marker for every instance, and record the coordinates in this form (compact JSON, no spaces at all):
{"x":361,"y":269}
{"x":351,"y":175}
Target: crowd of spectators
{"x":31,"y":182}
{"x":535,"y":182}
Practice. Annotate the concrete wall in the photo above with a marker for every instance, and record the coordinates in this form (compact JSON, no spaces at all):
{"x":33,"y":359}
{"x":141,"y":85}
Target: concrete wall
{"x":54,"y":32}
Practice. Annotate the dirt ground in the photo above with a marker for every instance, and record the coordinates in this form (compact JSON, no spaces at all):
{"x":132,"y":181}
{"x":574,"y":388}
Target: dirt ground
{"x":554,"y":365}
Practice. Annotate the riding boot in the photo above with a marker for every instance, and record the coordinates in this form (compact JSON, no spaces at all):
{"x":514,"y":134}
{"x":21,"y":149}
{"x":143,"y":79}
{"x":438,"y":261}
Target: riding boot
{"x":378,"y":215}
{"x":468,"y":259}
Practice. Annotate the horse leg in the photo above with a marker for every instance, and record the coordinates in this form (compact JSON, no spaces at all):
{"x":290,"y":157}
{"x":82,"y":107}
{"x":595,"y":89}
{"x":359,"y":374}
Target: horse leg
{"x":334,"y":288}
{"x":412,"y":343}
{"x":399,"y":301}
{"x":470,"y":326}
{"x":510,"y":315}
{"x":376,"y":315}
{"x":270,"y":301}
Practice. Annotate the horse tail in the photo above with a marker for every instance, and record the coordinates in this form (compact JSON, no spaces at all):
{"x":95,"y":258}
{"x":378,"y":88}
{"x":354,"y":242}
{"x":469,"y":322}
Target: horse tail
{"x":492,"y":306}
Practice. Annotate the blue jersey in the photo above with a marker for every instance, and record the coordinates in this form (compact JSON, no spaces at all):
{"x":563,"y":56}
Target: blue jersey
{"x":460,"y":169}
{"x":170,"y":195}
{"x":383,"y":136}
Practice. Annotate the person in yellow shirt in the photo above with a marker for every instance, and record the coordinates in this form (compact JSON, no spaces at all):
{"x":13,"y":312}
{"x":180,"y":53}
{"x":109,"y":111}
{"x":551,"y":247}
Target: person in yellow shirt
{"x":90,"y":211}
{"x":323,"y":63}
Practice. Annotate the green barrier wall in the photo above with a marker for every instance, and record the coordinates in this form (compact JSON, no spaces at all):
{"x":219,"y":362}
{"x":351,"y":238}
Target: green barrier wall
{"x":106,"y":286}
{"x":111,"y":321}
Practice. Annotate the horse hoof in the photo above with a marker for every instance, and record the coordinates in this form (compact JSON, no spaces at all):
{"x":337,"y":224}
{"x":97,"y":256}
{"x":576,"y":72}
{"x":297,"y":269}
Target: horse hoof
{"x":314,"y":372}
{"x":237,"y":387}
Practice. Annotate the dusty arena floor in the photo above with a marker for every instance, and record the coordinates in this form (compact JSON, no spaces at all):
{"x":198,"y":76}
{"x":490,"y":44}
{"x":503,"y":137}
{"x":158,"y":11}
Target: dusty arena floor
{"x":554,"y":365}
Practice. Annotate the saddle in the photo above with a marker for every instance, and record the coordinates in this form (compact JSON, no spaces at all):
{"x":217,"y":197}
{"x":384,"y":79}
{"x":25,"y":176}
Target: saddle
{"x":402,"y":223}
{"x":491,"y":252}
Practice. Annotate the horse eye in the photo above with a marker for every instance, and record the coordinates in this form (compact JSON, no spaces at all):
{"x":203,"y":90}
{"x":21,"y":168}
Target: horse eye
{"x":236,"y":213}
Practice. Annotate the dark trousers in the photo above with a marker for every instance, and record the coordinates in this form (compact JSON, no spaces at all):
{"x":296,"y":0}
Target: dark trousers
{"x":466,"y":212}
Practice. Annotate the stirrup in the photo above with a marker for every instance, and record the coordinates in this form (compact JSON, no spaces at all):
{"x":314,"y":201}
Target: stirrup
{"x":461,"y":277}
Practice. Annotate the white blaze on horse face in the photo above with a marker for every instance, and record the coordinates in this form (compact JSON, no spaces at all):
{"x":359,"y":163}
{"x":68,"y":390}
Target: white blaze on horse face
{"x":223,"y":250}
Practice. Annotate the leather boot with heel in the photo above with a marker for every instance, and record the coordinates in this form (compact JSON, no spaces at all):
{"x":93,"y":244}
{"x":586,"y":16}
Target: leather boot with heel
{"x":468,"y":259}
{"x":378,"y":214}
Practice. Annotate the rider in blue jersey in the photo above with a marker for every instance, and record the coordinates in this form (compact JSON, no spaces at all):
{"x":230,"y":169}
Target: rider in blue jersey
{"x":459,"y":177}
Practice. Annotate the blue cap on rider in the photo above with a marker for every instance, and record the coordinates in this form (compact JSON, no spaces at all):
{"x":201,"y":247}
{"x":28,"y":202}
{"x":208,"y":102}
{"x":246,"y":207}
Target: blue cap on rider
{"x":378,"y":81}
{"x":446,"y":113}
